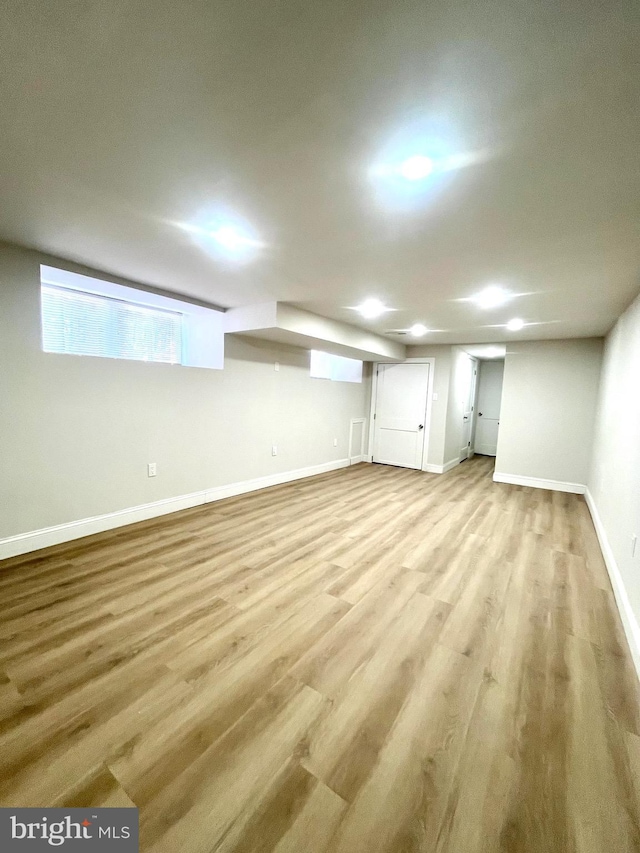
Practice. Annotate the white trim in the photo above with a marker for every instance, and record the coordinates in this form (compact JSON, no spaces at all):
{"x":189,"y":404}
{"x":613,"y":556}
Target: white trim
{"x":537,"y":483}
{"x":427,"y":418}
{"x":430,"y":468}
{"x":629,"y":621}
{"x":358,"y":457}
{"x":468,"y":452}
{"x":440,"y":469}
{"x":24,"y":543}
{"x":60,"y":277}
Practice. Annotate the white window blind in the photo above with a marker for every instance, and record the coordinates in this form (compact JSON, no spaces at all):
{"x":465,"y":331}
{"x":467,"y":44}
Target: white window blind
{"x":81,"y":323}
{"x":324,"y":365}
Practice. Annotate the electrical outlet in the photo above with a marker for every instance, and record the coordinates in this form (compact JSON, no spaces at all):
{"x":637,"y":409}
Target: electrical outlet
{"x":435,"y":397}
{"x":274,"y":449}
{"x":277,"y":366}
{"x":335,"y":442}
{"x":152,"y":469}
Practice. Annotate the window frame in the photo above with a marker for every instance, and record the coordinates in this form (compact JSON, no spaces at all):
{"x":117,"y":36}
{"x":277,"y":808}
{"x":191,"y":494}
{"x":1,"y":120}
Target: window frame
{"x":333,"y":363}
{"x":202,"y":338}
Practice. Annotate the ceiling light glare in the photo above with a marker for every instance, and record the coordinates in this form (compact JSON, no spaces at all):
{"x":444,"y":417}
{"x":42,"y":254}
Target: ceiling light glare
{"x":492,"y":297}
{"x":228,"y":237}
{"x":416,"y":168}
{"x":418,"y":330}
{"x":233,"y":239}
{"x":225,"y":235}
{"x":515,"y":325}
{"x":371,"y":308}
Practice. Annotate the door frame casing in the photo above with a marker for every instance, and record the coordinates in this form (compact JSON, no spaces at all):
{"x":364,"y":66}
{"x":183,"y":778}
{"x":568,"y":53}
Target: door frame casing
{"x":427,"y":418}
{"x":475,"y":385}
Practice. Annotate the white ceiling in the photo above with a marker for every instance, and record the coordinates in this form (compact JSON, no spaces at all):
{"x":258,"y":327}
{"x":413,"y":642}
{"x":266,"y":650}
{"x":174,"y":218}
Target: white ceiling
{"x":122,"y":119}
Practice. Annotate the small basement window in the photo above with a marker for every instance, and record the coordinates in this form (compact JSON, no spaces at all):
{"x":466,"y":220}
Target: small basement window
{"x":86,"y":316}
{"x":324,"y":365}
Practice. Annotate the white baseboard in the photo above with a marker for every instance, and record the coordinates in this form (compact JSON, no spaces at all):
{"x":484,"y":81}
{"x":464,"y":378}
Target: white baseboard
{"x":24,"y":543}
{"x":441,"y":469}
{"x":355,"y":459}
{"x":233,"y":489}
{"x":537,"y":483}
{"x":629,"y":621}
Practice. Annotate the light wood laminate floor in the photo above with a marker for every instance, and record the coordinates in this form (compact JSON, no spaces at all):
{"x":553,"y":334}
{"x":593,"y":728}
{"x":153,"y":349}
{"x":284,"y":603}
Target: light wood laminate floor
{"x":375,"y":660}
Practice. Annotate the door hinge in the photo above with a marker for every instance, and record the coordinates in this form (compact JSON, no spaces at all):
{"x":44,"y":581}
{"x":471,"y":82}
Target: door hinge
{"x":374,"y":416}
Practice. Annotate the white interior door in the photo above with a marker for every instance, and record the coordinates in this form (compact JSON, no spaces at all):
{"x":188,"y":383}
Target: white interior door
{"x":489,"y":398}
{"x":468,"y":373}
{"x":400,"y":414}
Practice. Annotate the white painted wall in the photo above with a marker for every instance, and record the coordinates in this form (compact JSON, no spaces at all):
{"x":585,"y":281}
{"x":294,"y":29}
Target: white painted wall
{"x":76,"y":433}
{"x":614,"y":478}
{"x":548,"y":411}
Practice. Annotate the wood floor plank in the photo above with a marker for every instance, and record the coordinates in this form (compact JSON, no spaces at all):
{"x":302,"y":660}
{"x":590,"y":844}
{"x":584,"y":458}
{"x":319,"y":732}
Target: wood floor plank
{"x":597,"y":801}
{"x":315,"y":824}
{"x":402,"y":804}
{"x":198,"y":810}
{"x":344,"y":747}
{"x":373,"y":660}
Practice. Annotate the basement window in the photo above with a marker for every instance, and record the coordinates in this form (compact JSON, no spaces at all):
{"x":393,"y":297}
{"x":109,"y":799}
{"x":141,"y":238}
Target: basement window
{"x":87,"y":316}
{"x":324,"y":365}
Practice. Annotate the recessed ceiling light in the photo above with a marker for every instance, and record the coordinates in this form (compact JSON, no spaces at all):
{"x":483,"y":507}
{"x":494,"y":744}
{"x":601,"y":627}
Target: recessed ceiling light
{"x":233,"y":239}
{"x":416,"y":168}
{"x":492,"y":297}
{"x":515,"y":325}
{"x":418,"y":330}
{"x":226,"y":236}
{"x":371,"y":308}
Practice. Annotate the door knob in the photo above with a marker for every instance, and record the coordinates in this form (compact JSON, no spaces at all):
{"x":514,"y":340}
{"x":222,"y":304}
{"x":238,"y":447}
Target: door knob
{"x":420,"y":426}
{"x":479,"y":414}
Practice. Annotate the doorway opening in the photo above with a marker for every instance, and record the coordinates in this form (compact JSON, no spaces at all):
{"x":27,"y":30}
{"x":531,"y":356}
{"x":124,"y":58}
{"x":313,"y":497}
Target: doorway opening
{"x":477,"y":383}
{"x":401,"y":403}
{"x":487,"y":410}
